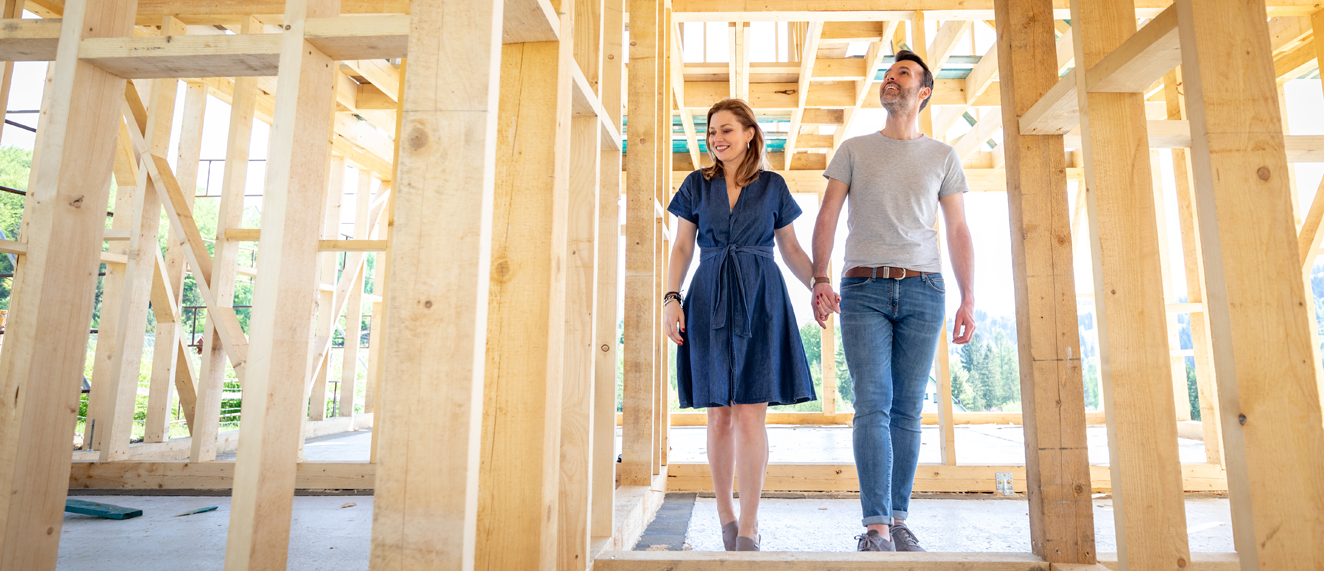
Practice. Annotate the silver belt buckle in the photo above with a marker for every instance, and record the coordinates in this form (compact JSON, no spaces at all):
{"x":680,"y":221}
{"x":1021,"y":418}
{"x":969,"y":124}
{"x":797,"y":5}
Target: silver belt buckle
{"x":900,"y":275}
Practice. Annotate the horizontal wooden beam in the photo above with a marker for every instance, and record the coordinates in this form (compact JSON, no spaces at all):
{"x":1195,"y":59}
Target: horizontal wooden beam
{"x":376,"y":36}
{"x":1057,"y":112}
{"x":837,"y":561}
{"x":623,"y":560}
{"x":217,"y":475}
{"x":700,"y":95}
{"x":887,"y":10}
{"x":585,"y":103}
{"x":835,"y":477}
{"x":1141,"y":60}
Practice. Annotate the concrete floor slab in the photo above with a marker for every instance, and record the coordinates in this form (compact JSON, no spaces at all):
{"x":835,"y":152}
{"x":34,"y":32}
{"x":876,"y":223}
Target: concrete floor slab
{"x":997,"y":525}
{"x":323,"y":535}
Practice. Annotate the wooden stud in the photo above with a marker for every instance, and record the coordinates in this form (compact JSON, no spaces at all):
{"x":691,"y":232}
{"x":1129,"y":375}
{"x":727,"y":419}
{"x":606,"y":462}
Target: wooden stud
{"x":46,"y":331}
{"x":426,"y":502}
{"x":354,"y":311}
{"x":522,"y":402}
{"x":577,"y":392}
{"x":1193,"y":262}
{"x":1052,"y":397}
{"x":211,"y":378}
{"x":1180,"y":398}
{"x":1133,"y":349}
{"x":637,"y":450}
{"x":283,"y":309}
{"x":807,"y":60}
{"x":605,"y":327}
{"x":327,"y":305}
{"x":126,"y":180}
{"x":118,"y":410}
{"x":381,"y":285}
{"x":919,"y":37}
{"x":1268,"y":393}
{"x":168,"y":361}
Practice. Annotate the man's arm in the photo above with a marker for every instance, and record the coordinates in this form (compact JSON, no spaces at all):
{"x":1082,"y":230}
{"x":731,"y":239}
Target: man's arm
{"x":825,"y":232}
{"x":962,"y":251}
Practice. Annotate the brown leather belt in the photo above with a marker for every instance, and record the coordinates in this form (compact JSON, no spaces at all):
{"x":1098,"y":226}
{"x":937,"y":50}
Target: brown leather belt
{"x":882,"y":272}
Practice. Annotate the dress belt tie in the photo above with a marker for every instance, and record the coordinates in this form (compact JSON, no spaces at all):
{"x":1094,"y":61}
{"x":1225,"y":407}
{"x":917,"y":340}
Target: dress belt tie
{"x":731,"y":277}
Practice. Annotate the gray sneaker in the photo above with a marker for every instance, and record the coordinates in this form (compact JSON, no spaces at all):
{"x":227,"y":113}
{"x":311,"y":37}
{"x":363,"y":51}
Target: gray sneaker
{"x":873,"y":541}
{"x":903,"y":538}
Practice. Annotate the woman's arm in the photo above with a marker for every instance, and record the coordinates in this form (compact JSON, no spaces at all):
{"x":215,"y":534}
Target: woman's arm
{"x":682,"y":253}
{"x":795,"y":257}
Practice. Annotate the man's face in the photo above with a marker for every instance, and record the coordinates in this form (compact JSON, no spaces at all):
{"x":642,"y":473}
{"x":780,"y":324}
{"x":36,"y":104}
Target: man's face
{"x":903,"y":87}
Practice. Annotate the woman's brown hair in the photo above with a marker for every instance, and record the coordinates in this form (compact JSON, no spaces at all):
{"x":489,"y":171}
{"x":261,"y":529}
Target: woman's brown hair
{"x":748,"y":170}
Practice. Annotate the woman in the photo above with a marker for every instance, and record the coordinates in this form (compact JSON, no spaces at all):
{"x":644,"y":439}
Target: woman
{"x":738,"y":348}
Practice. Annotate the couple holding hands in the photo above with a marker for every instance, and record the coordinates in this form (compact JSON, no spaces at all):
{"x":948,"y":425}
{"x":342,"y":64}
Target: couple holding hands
{"x":739,"y":347}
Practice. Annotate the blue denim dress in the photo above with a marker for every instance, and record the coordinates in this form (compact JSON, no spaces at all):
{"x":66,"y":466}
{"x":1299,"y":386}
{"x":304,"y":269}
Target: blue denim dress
{"x":742,"y":344}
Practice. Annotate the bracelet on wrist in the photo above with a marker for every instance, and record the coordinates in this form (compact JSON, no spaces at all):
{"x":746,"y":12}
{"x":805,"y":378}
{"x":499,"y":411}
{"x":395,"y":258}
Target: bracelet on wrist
{"x":821,"y":280}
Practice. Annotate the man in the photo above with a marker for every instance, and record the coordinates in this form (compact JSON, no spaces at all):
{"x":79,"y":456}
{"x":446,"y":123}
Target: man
{"x":892,"y":300}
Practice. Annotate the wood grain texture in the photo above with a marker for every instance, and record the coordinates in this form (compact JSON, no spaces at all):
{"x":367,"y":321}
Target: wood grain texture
{"x":1135,"y":364}
{"x":521,"y":438}
{"x":51,"y":305}
{"x":283,"y":300}
{"x":1268,"y":393}
{"x":1057,"y":464}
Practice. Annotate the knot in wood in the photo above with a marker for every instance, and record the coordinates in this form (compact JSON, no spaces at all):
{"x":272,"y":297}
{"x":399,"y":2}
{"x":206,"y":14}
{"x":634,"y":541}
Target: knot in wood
{"x":1241,"y":418}
{"x":1181,"y":562}
{"x":501,"y":271}
{"x":418,"y":138}
{"x":427,"y":304}
{"x":605,"y":348}
{"x":77,"y":203}
{"x":1263,"y":173}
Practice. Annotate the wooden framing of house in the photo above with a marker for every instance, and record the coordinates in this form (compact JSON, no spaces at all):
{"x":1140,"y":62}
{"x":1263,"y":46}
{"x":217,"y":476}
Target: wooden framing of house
{"x":495,"y":130}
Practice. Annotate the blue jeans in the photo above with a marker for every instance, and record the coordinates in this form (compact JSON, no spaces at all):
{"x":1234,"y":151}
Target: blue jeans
{"x":889,"y":331}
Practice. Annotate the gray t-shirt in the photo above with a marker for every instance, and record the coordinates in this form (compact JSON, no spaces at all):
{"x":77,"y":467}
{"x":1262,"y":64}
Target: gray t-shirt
{"x":894,"y":190}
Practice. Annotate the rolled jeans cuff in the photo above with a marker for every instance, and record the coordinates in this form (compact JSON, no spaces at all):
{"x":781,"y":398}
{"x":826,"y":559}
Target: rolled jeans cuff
{"x":877,"y":519}
{"x":901,"y":515}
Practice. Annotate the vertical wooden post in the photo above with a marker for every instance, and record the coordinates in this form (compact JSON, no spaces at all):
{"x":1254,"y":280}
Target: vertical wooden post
{"x":637,"y":449}
{"x":1180,"y":398}
{"x":46,"y":334}
{"x":1193,"y":261}
{"x":381,"y":286}
{"x":329,"y":263}
{"x":519,"y":471}
{"x":112,"y":292}
{"x":169,"y":321}
{"x":663,"y":193}
{"x":13,"y":9}
{"x":211,"y":376}
{"x":116,"y":422}
{"x":283,"y":300}
{"x":354,"y":310}
{"x":574,"y":503}
{"x":605,"y":330}
{"x":1268,"y":392}
{"x":426,"y":500}
{"x":1128,"y":292}
{"x":919,"y":35}
{"x":1052,"y":393}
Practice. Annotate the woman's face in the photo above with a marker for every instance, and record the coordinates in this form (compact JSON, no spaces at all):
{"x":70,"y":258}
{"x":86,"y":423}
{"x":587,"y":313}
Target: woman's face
{"x":728,"y":139}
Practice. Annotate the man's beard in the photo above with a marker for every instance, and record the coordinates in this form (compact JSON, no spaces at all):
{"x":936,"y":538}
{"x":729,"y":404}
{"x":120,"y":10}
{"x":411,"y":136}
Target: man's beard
{"x":899,"y":103}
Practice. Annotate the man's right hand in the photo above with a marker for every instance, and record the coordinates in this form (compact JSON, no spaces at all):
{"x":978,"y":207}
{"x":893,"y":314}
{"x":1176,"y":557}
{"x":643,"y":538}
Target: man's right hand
{"x":825,"y":303}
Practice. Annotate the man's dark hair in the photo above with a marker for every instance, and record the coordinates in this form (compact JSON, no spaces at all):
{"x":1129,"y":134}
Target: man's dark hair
{"x":907,"y":55}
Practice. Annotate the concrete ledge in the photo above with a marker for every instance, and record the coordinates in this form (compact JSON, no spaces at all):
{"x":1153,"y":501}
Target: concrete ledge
{"x":635,"y":508}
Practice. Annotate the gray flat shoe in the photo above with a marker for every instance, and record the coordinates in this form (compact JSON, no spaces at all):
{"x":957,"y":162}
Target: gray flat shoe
{"x":746,"y":544}
{"x":729,"y":533}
